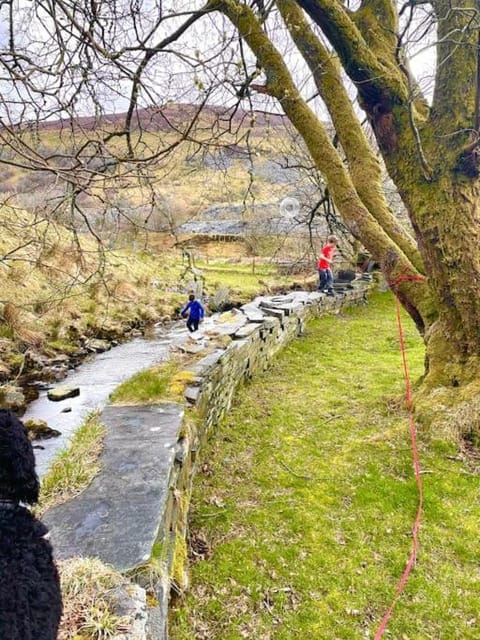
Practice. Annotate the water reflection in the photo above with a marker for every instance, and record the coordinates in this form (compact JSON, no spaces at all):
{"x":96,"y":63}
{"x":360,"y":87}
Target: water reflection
{"x":97,"y":378}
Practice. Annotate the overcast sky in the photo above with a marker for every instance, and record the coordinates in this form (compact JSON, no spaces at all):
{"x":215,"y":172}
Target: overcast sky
{"x":207,"y":57}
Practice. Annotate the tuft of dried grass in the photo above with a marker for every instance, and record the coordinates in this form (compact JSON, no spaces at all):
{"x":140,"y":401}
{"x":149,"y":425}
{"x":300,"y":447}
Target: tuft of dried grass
{"x":461,"y":423}
{"x":17,"y":321}
{"x":126,"y":290}
{"x":12,"y":315}
{"x":85,"y":584}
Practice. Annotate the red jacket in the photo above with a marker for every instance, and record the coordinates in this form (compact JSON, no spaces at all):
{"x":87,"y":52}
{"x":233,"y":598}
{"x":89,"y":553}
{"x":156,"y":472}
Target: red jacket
{"x":328,"y":251}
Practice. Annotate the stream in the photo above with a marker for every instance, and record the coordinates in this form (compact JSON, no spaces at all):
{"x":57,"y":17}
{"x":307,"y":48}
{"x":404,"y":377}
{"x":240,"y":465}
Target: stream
{"x":97,"y":377}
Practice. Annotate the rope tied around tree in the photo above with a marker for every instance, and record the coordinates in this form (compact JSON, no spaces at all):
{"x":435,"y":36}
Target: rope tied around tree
{"x":405,"y":277}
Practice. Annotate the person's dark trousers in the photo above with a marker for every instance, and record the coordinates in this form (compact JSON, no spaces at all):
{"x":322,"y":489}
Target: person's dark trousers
{"x":192,"y":324}
{"x":325,"y":280}
{"x":322,"y":279}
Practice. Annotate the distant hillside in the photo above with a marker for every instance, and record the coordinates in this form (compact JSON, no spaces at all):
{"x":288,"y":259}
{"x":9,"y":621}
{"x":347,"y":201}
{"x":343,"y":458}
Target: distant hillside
{"x":170,"y":117}
{"x":230,"y":157}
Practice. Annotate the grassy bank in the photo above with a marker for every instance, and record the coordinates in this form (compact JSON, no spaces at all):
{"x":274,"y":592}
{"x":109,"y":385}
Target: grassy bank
{"x":58,"y":290}
{"x":303,"y":508}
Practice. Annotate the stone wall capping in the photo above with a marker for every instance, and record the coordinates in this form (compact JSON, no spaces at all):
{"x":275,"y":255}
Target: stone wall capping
{"x":227,"y":329}
{"x":202,"y":366}
{"x":130,"y":601}
{"x":117,"y":518}
{"x":246,"y":331}
{"x":288,"y":308}
{"x":302,"y":296}
{"x":275,"y":312}
{"x":181,"y":450}
{"x":240,"y":344}
{"x":252,"y":312}
{"x":271,"y":322}
{"x":192,"y":393}
{"x":192,"y":349}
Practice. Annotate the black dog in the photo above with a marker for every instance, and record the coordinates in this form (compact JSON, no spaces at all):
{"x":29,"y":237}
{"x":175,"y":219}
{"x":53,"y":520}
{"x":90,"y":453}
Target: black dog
{"x":30,"y":599}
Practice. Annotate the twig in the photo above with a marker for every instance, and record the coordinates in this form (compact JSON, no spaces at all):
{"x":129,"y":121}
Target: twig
{"x":329,"y":419}
{"x":297,"y":475}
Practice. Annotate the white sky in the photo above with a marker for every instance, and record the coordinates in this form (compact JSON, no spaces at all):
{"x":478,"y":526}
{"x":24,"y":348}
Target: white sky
{"x":206,"y":56}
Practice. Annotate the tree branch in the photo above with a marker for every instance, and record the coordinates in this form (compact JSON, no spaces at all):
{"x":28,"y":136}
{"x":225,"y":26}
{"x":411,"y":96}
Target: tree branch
{"x":328,"y":160}
{"x":375,"y":76}
{"x":364,"y":165}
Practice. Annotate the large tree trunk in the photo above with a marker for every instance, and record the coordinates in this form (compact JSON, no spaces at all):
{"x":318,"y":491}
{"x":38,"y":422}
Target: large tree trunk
{"x":449,"y":230}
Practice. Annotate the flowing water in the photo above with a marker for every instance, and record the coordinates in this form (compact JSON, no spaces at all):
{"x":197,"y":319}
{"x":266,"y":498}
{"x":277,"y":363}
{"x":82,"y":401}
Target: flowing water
{"x":96,"y":379}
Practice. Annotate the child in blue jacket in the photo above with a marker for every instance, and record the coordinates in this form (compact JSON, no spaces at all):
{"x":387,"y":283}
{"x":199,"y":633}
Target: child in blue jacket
{"x":193,"y":308}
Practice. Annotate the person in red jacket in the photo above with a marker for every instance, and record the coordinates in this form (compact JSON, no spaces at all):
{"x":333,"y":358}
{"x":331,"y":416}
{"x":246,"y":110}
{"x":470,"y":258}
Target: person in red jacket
{"x":325,"y":266}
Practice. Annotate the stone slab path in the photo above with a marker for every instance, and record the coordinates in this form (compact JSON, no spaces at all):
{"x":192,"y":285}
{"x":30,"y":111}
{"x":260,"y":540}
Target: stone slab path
{"x":118,"y":516}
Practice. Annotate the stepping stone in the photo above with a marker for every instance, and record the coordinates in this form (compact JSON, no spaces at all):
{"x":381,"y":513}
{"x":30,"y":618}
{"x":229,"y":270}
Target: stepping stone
{"x":39,"y":430}
{"x":62,"y":393}
{"x":98,"y":346}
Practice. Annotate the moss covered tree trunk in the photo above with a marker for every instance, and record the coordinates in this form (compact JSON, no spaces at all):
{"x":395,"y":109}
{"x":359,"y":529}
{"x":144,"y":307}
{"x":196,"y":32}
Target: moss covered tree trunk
{"x":430,"y":151}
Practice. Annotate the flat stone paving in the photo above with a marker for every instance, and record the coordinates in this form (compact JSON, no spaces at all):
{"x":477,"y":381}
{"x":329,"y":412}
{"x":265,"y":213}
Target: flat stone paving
{"x":118,"y":516}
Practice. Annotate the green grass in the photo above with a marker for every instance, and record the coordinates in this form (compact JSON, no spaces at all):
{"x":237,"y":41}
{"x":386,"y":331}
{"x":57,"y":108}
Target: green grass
{"x":241,"y":277}
{"x":75,"y":467}
{"x":146,"y":387}
{"x":308,"y":497}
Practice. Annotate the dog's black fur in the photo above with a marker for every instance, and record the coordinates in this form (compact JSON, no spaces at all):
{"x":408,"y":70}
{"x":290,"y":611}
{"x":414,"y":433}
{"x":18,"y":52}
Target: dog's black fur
{"x":30,"y":599}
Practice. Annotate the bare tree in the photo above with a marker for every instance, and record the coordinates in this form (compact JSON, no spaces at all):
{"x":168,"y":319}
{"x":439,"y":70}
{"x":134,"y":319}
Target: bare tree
{"x":312,"y":58}
{"x":85,"y":114}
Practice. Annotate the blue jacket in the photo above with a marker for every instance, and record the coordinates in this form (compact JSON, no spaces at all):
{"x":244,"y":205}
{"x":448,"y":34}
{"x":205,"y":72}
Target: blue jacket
{"x":195,"y":308}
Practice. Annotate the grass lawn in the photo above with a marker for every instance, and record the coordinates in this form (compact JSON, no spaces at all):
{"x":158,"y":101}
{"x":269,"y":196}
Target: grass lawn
{"x":302,"y":510}
{"x":242,"y":278}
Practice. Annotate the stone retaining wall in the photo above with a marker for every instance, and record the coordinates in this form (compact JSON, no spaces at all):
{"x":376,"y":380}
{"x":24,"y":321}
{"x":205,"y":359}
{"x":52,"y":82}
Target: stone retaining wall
{"x":258,"y":332}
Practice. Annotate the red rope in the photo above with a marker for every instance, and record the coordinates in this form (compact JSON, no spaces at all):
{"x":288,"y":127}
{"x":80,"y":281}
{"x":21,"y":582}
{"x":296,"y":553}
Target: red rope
{"x":416,"y":466}
{"x":404,"y":277}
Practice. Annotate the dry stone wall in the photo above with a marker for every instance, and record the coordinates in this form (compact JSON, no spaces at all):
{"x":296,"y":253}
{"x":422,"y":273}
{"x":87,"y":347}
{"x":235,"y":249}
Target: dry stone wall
{"x":258,"y":331}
